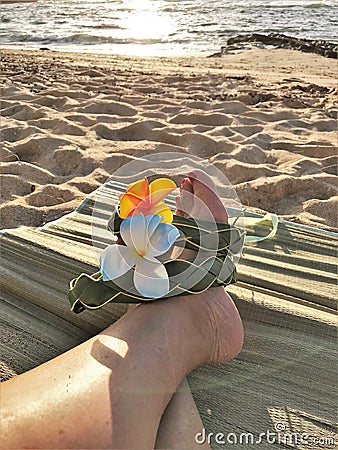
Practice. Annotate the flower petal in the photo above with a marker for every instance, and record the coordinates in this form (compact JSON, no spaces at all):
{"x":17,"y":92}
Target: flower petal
{"x":128,"y":203}
{"x":116,"y":260}
{"x":161,"y":209}
{"x":134,"y":233}
{"x":162,"y":239}
{"x":152,"y":222}
{"x":160,"y":188}
{"x":143,"y":207}
{"x":140,"y":188}
{"x":151,"y":278}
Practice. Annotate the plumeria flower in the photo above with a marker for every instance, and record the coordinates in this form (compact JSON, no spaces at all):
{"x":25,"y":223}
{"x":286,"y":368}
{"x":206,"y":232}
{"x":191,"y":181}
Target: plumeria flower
{"x":145,"y":238}
{"x":145,"y":198}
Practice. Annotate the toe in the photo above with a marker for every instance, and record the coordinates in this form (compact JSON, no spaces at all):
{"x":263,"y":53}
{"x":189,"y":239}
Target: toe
{"x":208,"y":202}
{"x":179,"y":208}
{"x":204,"y":178}
{"x":185,"y":201}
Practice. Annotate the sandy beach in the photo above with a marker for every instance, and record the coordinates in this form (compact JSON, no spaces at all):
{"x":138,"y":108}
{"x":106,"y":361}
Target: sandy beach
{"x":265,"y":118}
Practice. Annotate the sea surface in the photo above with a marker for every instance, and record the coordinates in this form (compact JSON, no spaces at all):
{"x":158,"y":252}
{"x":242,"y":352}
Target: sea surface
{"x":159,"y":27}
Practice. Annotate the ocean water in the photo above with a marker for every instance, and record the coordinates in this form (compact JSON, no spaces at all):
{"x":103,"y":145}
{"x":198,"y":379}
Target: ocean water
{"x":159,"y":27}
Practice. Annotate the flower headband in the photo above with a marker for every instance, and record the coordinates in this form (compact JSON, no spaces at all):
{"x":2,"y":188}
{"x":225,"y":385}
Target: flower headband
{"x":139,"y":268}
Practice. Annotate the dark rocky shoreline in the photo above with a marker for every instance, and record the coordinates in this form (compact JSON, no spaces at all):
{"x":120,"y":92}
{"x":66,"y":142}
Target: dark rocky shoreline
{"x":244,"y":41}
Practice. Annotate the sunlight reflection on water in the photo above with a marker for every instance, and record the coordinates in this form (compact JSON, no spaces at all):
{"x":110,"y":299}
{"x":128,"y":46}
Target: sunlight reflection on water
{"x":159,"y":26}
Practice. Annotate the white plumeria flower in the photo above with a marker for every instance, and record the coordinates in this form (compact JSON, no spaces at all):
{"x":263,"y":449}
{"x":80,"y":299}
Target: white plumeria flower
{"x":145,"y":238}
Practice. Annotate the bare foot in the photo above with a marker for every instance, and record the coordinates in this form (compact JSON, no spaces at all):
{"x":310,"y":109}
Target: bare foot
{"x":216,"y":314}
{"x":219,"y":317}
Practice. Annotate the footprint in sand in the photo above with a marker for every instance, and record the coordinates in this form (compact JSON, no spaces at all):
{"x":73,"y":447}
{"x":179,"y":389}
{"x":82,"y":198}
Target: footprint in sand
{"x":12,"y":186}
{"x":115,"y":119}
{"x":67,"y":159}
{"x":271,"y":116}
{"x":324,"y":125}
{"x":251,"y":154}
{"x":154,"y":115}
{"x":138,"y":131}
{"x":84,"y":184}
{"x":211,"y":119}
{"x":224,"y":132}
{"x":28,"y":172}
{"x":36,"y":149}
{"x":284,"y":191}
{"x":50,"y":195}
{"x":59,"y":126}
{"x":263,"y":140}
{"x":231,"y":107}
{"x":51,"y":102}
{"x":16,"y":213}
{"x":104,"y":107}
{"x":305,"y":166}
{"x":247,"y":130}
{"x":11,"y":91}
{"x":6,"y":154}
{"x":82,"y":119}
{"x":330,"y":165}
{"x":198,"y":144}
{"x":92,"y":73}
{"x":198,"y":105}
{"x":71,"y":94}
{"x":309,"y":149}
{"x":326,"y":209}
{"x":239,"y":172}
{"x":24,"y":112}
{"x":15,"y":134}
{"x":7,"y":104}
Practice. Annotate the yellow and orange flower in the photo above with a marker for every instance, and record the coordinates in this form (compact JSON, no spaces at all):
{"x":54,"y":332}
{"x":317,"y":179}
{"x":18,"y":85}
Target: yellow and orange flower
{"x":145,"y":198}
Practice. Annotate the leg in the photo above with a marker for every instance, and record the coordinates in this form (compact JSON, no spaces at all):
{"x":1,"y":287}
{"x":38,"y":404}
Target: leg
{"x":111,"y":391}
{"x":180,"y":422}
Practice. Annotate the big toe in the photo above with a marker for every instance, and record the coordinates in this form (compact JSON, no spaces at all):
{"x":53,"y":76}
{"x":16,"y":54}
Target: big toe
{"x":199,"y":198}
{"x":185,"y":201}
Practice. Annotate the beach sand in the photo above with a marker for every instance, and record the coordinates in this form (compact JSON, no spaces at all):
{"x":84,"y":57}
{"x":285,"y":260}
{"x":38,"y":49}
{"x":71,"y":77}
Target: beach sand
{"x":265,"y":118}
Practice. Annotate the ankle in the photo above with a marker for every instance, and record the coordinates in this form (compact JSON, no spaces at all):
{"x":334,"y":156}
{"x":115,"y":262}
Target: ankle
{"x":219,"y":326}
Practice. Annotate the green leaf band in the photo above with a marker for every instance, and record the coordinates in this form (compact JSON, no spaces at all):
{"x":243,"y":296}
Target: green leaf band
{"x":210,"y":268}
